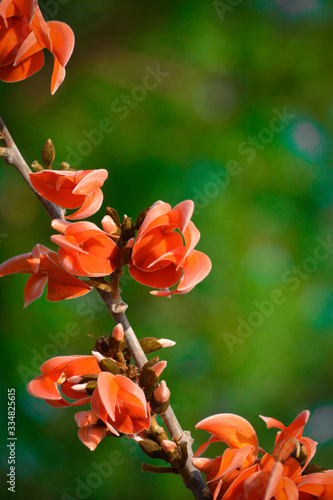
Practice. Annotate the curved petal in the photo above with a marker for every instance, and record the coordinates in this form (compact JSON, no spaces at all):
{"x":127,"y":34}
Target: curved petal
{"x":57,"y":365}
{"x":91,"y":180}
{"x":274,"y":478}
{"x":23,"y":70}
{"x":62,"y":38}
{"x":195,"y":268}
{"x":163,"y":278}
{"x":84,"y":418}
{"x":43,"y":387}
{"x":27,"y":7}
{"x":45,"y":183}
{"x":82,"y":365}
{"x":16,"y":264}
{"x":231,"y":429}
{"x":92,"y":435}
{"x":89,"y":207}
{"x":34,"y":288}
{"x":236,"y":489}
{"x":157,"y":210}
{"x":181,"y":214}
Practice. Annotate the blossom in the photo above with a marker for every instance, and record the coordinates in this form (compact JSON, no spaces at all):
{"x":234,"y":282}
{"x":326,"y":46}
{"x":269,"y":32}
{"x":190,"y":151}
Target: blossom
{"x":72,"y":189}
{"x":281,"y":475}
{"x":163,"y":253}
{"x":24,"y":35}
{"x":120,"y":404}
{"x":290,"y":437}
{"x":90,"y":431}
{"x":55,"y":373}
{"x":227,"y":473}
{"x":85,"y":250}
{"x":44,"y":267}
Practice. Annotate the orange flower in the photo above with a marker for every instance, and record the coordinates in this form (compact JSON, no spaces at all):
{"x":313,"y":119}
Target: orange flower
{"x":317,"y":486}
{"x":90,"y":431}
{"x":44,"y":266}
{"x":226,"y":474}
{"x":85,"y":250}
{"x":57,"y":371}
{"x":70,"y":189}
{"x":24,"y":34}
{"x":290,"y":437}
{"x":239,"y":474}
{"x":163,"y":252}
{"x":120,"y":404}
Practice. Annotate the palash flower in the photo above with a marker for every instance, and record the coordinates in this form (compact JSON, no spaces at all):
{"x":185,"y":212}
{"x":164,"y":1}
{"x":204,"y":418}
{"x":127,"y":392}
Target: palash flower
{"x":276,"y":476}
{"x":163,"y":253}
{"x":227,"y":473}
{"x":24,"y":35}
{"x":117,"y":402}
{"x":70,"y":189}
{"x":55,"y":373}
{"x":44,"y":267}
{"x":85,"y":250}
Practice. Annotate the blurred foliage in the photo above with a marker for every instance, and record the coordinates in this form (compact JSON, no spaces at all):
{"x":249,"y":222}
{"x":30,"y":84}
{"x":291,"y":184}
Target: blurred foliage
{"x":227,"y":75}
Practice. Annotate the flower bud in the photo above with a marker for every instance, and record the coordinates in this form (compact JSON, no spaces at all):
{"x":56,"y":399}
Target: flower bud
{"x":106,"y":364}
{"x":37,"y":166}
{"x":87,"y":387}
{"x":149,"y":447}
{"x":168,"y":446}
{"x":109,"y":225}
{"x":118,"y":332}
{"x":160,"y":399}
{"x":151,"y":344}
{"x":64,"y":165}
{"x":112,"y":212}
{"x":48,"y":153}
{"x":202,"y":464}
{"x":141,"y":217}
{"x":148,"y":376}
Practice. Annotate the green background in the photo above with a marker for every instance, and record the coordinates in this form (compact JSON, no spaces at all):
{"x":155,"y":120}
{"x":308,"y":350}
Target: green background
{"x":227,"y":74}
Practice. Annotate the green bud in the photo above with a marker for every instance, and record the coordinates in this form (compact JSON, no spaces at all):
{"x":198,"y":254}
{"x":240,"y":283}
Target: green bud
{"x":37,"y":166}
{"x":150,"y":448}
{"x":64,"y":165}
{"x":48,"y":153}
{"x":150,"y":344}
{"x":91,"y":386}
{"x":112,"y":212}
{"x":107,"y":365}
{"x":141,"y":217}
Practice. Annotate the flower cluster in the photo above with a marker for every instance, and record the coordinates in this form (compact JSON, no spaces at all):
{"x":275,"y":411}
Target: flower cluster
{"x":161,"y":255}
{"x":116,"y":392}
{"x":24,"y":35}
{"x":283,"y":474}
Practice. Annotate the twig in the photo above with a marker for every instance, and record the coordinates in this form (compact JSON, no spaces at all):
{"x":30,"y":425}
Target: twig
{"x":12,"y":156}
{"x":191,"y":476}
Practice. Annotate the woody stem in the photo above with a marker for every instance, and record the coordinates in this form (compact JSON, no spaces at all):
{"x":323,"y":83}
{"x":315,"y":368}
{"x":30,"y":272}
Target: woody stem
{"x":12,"y":156}
{"x":191,"y":476}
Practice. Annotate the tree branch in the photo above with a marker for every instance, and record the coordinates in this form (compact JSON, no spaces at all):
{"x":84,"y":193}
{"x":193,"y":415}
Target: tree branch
{"x":191,"y":476}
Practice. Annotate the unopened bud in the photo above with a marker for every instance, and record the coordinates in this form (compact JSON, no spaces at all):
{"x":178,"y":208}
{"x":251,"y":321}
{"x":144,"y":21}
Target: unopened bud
{"x":148,"y":377}
{"x":88,"y":387}
{"x":64,"y":165}
{"x":141,"y":217}
{"x":159,"y":367}
{"x":109,"y":225}
{"x":162,"y":393}
{"x":149,"y":447}
{"x":202,"y":464}
{"x":106,"y":364}
{"x":168,"y":446}
{"x":151,"y":344}
{"x":118,"y":332}
{"x":80,"y":379}
{"x":48,"y":153}
{"x":160,"y":400}
{"x":112,"y":212}
{"x":37,"y":166}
